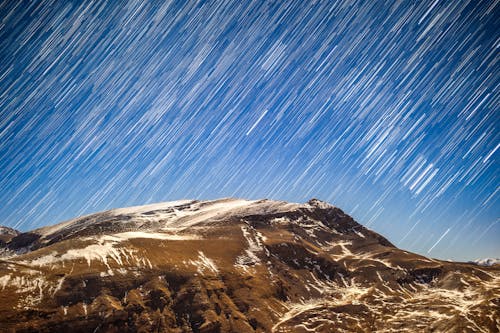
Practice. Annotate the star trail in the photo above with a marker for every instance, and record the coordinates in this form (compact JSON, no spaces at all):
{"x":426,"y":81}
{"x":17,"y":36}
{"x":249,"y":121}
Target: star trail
{"x":387,"y":109}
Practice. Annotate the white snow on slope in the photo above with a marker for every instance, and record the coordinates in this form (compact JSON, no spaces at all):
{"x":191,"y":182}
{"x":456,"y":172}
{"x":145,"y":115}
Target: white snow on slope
{"x":150,"y":207}
{"x":179,"y":214}
{"x":359,"y":233}
{"x":487,"y":261}
{"x":45,"y":231}
{"x":96,"y":252}
{"x":106,"y":249}
{"x":254,"y":246}
{"x":154,"y":235}
{"x":4,"y":280}
{"x":34,"y":283}
{"x":204,"y":264}
{"x":214,"y":209}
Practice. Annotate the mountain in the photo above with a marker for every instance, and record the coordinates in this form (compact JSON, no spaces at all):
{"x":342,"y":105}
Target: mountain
{"x":487,"y":261}
{"x":6,"y":234}
{"x":234,"y":265}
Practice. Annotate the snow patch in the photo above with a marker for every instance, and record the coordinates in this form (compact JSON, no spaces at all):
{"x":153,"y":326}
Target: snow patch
{"x":359,"y":233}
{"x":204,"y":264}
{"x":487,"y":261}
{"x":4,"y":280}
{"x":250,"y":257}
{"x":151,"y":207}
{"x":106,"y":249}
{"x":154,"y":235}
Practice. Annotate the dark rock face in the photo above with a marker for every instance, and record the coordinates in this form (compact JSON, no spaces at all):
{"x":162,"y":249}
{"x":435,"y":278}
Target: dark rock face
{"x":23,"y":242}
{"x":234,"y":266}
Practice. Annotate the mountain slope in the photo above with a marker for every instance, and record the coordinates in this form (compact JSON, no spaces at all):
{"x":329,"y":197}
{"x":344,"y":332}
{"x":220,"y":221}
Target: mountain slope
{"x":234,"y":265}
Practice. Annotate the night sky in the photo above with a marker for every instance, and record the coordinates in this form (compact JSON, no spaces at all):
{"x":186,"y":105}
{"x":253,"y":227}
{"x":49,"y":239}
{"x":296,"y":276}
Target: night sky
{"x":386,"y":109}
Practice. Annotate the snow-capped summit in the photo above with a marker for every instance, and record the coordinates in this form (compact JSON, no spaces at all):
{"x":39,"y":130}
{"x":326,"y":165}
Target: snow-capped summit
{"x":487,"y":261}
{"x":234,"y":265}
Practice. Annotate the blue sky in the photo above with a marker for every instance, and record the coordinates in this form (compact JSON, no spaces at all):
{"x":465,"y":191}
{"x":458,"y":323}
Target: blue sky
{"x":387,"y":110}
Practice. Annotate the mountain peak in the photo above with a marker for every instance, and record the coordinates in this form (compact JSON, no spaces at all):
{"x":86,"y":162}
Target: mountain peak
{"x":320,"y":204}
{"x":7,"y":233}
{"x":487,"y":261}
